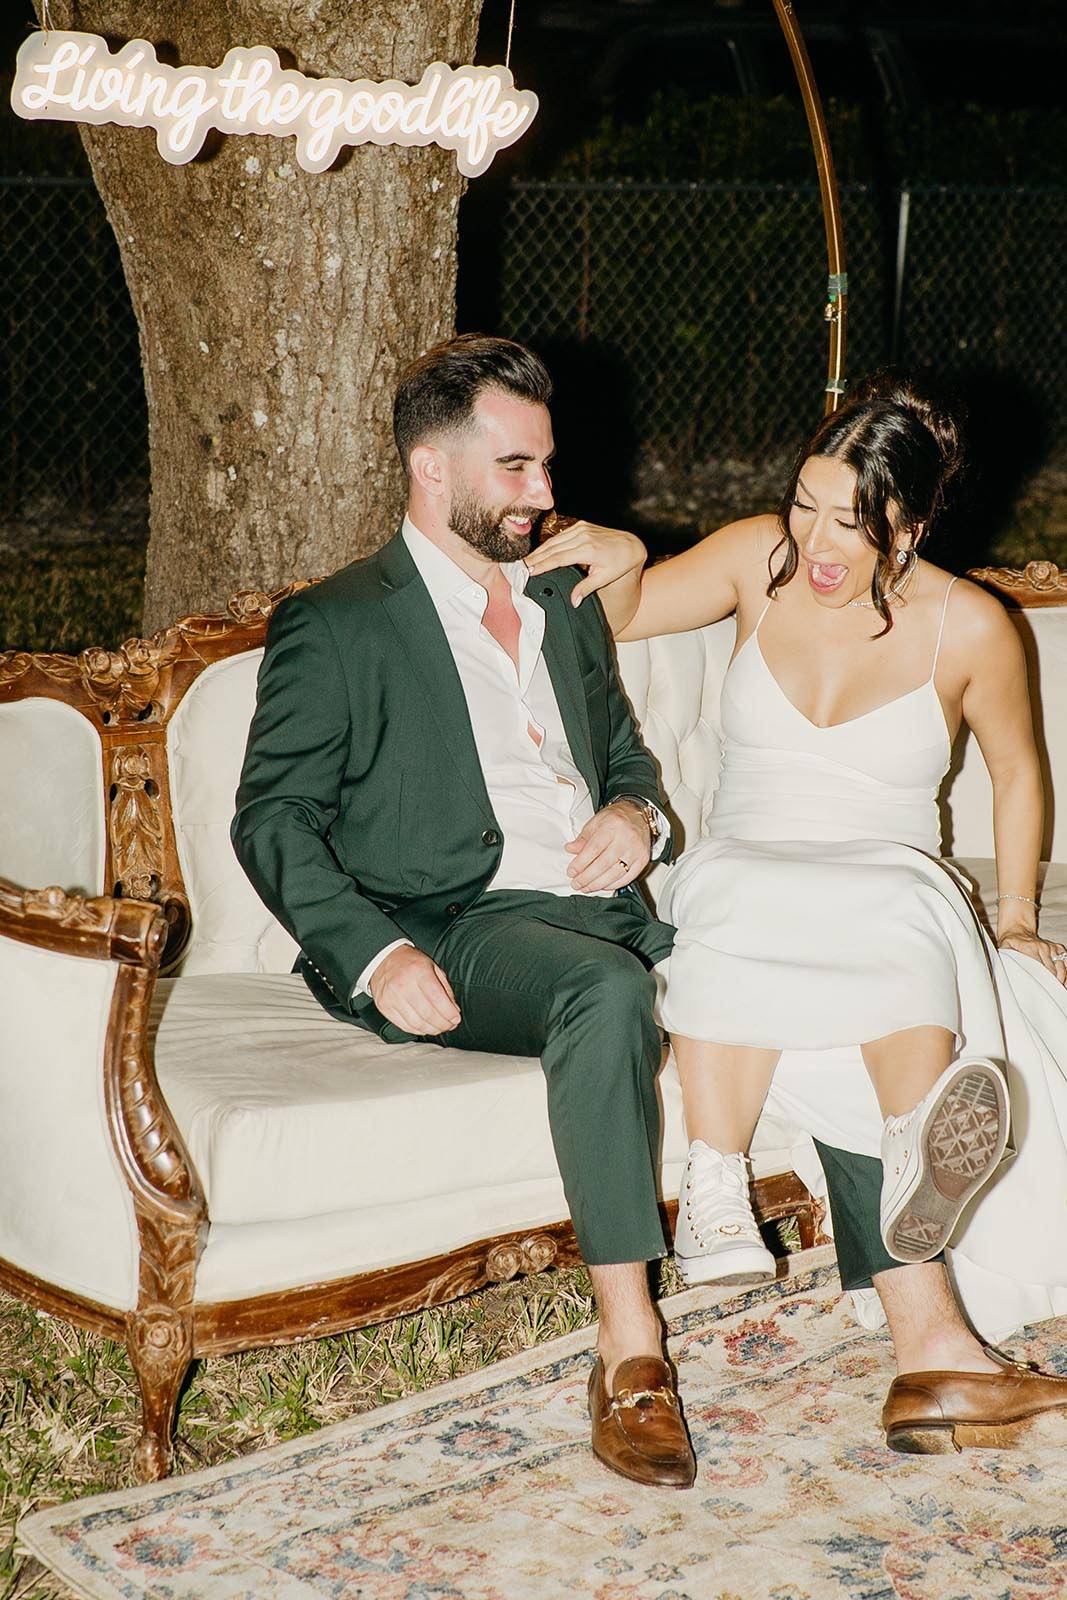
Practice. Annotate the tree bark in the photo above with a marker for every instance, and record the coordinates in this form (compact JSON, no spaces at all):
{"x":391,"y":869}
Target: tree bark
{"x":276,"y":307}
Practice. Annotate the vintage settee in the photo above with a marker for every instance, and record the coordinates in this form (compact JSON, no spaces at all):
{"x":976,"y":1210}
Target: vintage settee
{"x":194,"y":1157}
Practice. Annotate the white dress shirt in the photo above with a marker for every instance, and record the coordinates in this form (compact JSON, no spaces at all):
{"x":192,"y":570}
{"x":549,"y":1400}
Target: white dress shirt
{"x":538,"y":796}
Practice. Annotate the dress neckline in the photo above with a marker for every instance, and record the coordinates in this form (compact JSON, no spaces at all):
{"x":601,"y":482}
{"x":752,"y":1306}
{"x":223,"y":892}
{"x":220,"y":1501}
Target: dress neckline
{"x":848,"y":722}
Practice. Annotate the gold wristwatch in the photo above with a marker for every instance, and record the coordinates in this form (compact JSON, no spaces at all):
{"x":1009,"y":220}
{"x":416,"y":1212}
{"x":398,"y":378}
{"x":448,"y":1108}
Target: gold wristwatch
{"x":647,"y":810}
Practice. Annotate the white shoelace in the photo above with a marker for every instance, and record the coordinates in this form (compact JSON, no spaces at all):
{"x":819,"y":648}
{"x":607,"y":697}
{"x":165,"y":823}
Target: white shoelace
{"x":718,"y":1200}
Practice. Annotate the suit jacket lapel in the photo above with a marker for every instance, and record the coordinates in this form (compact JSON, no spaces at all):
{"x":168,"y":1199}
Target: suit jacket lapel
{"x":564,"y":669}
{"x":422,"y":637}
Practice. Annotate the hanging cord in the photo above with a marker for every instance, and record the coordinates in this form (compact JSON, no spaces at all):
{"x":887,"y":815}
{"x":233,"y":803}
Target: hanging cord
{"x":511,"y":30}
{"x":46,"y":15}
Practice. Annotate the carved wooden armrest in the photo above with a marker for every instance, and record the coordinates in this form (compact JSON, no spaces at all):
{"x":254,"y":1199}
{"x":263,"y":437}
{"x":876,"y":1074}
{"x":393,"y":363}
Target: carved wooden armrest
{"x":102,"y":927}
{"x":131,"y":933}
{"x":168,"y":1199}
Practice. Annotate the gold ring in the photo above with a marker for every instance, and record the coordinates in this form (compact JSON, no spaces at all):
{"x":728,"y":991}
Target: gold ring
{"x":626,"y":864}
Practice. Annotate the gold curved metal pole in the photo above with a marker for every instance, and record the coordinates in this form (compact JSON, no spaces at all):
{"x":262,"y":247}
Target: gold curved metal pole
{"x":837,"y":285}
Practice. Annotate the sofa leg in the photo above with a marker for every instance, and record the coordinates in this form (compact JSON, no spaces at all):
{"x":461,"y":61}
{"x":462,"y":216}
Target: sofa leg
{"x":160,"y":1343}
{"x":810,"y":1219}
{"x":807,"y":1226}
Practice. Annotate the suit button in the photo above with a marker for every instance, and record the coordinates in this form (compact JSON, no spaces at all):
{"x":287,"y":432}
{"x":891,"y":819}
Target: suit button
{"x":454,"y":909}
{"x":490,"y":836}
{"x":548,"y":593}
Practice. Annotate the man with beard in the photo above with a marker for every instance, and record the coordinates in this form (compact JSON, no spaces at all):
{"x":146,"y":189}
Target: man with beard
{"x":445,"y":800}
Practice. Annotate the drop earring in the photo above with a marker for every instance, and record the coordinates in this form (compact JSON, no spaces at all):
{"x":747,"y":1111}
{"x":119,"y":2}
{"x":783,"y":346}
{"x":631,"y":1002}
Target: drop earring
{"x":903,"y":557}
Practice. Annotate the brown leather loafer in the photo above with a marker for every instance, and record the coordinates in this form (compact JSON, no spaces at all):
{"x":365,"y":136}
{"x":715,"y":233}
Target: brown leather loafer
{"x":930,"y":1413}
{"x":638,"y":1429}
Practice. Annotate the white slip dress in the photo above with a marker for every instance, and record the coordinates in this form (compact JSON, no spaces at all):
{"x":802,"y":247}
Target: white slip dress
{"x":817,"y":914}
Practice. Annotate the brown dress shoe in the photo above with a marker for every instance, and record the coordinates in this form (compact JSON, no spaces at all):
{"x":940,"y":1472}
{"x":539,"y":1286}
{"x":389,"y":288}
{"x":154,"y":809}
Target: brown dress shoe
{"x":930,"y":1413}
{"x":638,"y":1430}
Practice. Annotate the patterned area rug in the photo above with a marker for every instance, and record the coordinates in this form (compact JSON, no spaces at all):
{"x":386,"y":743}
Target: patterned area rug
{"x":485,"y":1489}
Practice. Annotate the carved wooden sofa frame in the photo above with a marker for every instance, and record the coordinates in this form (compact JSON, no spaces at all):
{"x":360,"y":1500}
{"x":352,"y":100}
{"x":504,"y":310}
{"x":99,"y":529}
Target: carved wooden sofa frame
{"x":129,"y":695}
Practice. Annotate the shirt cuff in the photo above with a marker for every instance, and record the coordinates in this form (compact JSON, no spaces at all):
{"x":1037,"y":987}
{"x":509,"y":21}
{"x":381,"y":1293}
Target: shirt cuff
{"x":362,"y":983}
{"x":663,"y":823}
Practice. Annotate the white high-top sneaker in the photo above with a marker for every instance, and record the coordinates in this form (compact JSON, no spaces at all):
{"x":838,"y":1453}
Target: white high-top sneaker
{"x":936,"y":1157}
{"x":716,"y":1239}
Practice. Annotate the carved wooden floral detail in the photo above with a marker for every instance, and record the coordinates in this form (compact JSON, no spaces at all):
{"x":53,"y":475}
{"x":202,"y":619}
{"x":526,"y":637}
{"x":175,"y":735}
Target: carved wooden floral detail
{"x":1039,"y":582}
{"x":522,"y":1256}
{"x":66,"y":910}
{"x":135,"y":823}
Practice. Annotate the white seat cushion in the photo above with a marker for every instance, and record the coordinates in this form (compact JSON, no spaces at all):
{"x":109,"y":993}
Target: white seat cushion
{"x":288,"y":1113}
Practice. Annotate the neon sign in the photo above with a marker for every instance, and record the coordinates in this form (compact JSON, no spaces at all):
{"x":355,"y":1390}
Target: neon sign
{"x":73,"y":77}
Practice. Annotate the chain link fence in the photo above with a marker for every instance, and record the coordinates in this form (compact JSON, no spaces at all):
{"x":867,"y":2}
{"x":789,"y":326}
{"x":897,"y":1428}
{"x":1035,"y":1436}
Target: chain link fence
{"x":73,"y":423}
{"x":982,"y":290}
{"x":706,"y":300}
{"x":698,"y":308}
{"x":702,"y":304}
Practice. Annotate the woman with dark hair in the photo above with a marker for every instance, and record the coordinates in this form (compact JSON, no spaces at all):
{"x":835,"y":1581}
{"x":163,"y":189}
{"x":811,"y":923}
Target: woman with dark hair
{"x":819,"y":930}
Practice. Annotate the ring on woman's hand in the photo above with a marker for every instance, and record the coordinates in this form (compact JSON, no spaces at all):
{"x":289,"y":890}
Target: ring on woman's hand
{"x":1061,"y":957}
{"x":626,"y":864}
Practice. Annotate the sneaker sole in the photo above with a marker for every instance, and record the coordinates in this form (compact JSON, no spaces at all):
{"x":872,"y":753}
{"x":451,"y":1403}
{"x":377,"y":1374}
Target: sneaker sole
{"x":746,"y":1271}
{"x":963,"y":1141}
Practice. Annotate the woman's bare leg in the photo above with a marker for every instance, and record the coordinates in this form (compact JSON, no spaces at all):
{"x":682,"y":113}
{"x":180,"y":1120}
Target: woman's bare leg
{"x":905,"y":1066}
{"x":723,"y":1090}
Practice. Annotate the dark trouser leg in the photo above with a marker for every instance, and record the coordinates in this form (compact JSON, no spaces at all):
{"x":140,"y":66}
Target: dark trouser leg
{"x":532,"y":978}
{"x":854,"y":1189}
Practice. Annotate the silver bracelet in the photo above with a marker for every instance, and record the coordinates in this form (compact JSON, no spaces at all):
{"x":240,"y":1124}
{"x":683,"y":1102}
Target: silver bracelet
{"x":1025,"y":898}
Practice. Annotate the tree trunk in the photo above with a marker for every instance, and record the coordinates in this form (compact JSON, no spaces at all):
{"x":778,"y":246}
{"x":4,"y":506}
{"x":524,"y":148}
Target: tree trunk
{"x":276,"y":306}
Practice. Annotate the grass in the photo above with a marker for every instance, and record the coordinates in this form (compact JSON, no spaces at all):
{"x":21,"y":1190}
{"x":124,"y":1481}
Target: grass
{"x":67,"y":596}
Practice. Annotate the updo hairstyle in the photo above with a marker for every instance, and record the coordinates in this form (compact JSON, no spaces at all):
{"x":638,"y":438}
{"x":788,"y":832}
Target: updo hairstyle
{"x":904,"y":444}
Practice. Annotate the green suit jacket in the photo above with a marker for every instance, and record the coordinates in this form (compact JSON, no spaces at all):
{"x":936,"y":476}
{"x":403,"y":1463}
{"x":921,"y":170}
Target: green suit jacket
{"x":362,"y":814}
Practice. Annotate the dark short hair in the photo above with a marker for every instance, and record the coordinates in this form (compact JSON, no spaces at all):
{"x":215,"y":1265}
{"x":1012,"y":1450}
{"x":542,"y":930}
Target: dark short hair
{"x":904,"y":441}
{"x":438,"y":391}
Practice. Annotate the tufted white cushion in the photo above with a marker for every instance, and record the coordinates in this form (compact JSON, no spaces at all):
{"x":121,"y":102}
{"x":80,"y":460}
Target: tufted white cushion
{"x":674,"y":685}
{"x":968,"y":820}
{"x":232,"y":930}
{"x":51,"y":797}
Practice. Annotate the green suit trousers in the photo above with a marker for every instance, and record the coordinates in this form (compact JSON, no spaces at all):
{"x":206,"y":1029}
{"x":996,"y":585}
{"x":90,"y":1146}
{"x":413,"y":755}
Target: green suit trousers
{"x":567,"y":979}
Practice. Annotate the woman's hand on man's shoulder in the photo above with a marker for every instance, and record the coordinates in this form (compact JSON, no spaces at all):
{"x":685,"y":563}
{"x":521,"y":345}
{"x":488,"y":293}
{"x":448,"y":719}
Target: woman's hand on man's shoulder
{"x":607,"y":554}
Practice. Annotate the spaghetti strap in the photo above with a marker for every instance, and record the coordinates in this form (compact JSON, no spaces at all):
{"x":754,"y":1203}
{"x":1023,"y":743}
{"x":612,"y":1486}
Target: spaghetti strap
{"x":761,"y":616}
{"x":941,"y":629}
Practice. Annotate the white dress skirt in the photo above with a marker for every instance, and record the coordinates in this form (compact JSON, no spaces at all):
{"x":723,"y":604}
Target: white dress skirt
{"x":817,"y":914}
